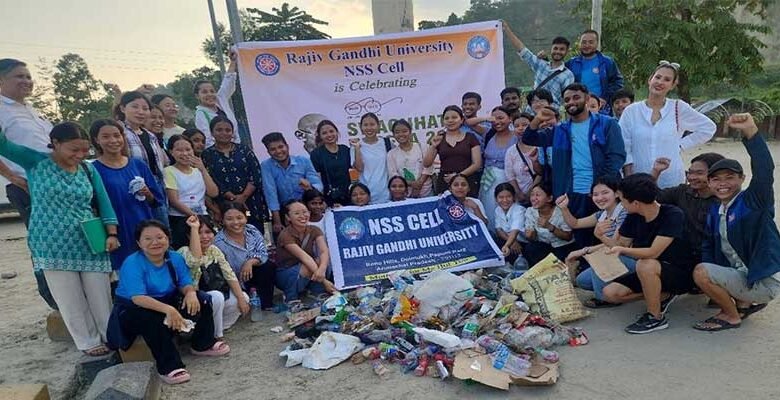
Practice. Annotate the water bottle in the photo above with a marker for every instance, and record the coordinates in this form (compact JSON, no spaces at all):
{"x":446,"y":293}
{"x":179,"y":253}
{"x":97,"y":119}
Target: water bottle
{"x":254,"y":303}
{"x":471,"y":328}
{"x":504,"y":360}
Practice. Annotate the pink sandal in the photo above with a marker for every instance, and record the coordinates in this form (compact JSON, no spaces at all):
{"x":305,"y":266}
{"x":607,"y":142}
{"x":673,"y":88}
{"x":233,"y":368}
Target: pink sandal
{"x":176,"y":377}
{"x":219,"y":348}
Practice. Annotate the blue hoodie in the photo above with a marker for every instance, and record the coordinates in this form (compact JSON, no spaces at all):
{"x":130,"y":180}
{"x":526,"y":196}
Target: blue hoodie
{"x":750,"y":220}
{"x":609,"y":74}
{"x":607,"y":150}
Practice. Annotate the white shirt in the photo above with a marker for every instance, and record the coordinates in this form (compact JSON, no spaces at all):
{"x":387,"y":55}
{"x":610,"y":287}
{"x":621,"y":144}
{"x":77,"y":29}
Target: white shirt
{"x":191,"y":189}
{"x":542,"y":234}
{"x":23,"y":125}
{"x":511,"y":220}
{"x":645,"y":142}
{"x":203,"y":115}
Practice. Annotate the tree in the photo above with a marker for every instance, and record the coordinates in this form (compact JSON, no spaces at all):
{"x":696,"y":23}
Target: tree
{"x":703,"y":36}
{"x":42,"y":98}
{"x":79,"y":95}
{"x":537,"y":22}
{"x":285,"y":23}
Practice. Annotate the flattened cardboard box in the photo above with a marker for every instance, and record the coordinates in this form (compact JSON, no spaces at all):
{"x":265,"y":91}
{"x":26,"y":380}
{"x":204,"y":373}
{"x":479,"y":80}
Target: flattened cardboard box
{"x":471,"y":364}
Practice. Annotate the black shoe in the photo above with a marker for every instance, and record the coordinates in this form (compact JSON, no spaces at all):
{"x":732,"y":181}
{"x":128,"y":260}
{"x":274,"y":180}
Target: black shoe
{"x":647,"y":323}
{"x":666,"y":303}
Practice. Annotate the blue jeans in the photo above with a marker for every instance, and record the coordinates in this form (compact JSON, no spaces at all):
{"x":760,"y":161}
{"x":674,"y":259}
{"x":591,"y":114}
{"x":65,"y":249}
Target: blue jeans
{"x":588,"y":279}
{"x":290,"y":281}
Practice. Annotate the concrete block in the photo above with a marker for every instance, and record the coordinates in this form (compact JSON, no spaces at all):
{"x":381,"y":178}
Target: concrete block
{"x":130,"y":381}
{"x":139,"y":351}
{"x":55,"y":327}
{"x":88,"y":367}
{"x":24,"y":392}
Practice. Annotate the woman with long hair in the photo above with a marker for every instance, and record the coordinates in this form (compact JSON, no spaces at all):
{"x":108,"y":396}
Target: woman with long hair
{"x":332,"y":161}
{"x":458,"y":152}
{"x":406,"y":160}
{"x":369,"y":157}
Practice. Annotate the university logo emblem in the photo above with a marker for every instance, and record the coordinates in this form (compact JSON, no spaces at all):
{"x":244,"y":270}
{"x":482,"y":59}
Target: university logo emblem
{"x":267,"y":64}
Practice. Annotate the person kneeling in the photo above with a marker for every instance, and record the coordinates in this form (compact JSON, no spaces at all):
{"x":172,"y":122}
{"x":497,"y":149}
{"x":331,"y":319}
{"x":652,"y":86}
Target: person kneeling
{"x":147,"y":305}
{"x":302,"y":255}
{"x":652,"y":246}
{"x":741,"y":253}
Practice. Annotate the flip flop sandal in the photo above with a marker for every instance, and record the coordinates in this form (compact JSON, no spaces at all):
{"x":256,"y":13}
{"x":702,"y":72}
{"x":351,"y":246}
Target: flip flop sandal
{"x":176,"y":377}
{"x":218,"y":349}
{"x":752,"y":309}
{"x":719,"y":325}
{"x":596,"y":303}
{"x":97,"y":351}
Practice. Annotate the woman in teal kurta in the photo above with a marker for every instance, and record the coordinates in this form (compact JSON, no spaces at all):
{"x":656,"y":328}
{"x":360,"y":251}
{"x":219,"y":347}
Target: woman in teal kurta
{"x":61,"y":189}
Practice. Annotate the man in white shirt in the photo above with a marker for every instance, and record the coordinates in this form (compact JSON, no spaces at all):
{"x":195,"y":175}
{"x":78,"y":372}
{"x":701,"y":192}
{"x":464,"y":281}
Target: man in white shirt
{"x":22,"y":125}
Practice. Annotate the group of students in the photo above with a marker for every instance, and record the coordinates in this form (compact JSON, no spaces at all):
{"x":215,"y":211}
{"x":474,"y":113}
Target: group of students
{"x":181,"y":206}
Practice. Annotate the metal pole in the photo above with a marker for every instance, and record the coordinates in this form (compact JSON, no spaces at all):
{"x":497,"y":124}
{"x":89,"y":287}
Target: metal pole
{"x":595,"y":18}
{"x":235,"y":22}
{"x":217,"y":41}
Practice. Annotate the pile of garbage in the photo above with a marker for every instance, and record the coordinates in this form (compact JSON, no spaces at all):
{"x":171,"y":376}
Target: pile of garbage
{"x":470,"y":326}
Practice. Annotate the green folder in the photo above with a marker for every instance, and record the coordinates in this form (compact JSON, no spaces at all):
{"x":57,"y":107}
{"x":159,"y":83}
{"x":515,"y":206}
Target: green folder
{"x":95,"y":232}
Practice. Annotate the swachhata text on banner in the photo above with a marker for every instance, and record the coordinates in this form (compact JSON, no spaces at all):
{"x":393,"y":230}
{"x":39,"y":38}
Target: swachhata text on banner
{"x":291,"y":86}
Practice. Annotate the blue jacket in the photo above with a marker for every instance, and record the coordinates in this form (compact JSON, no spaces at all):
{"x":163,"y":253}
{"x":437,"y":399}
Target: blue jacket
{"x":750,"y":220}
{"x":606,"y":149}
{"x":611,"y":78}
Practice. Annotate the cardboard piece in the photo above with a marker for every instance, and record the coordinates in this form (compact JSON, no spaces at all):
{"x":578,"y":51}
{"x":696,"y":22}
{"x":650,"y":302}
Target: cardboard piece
{"x":302,"y":317}
{"x":477,"y":366}
{"x":24,"y":392}
{"x":606,"y":266}
{"x":470,"y":364}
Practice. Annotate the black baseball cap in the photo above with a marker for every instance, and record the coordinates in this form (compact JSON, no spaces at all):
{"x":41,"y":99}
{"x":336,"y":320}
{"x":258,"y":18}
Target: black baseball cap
{"x":726,"y":163}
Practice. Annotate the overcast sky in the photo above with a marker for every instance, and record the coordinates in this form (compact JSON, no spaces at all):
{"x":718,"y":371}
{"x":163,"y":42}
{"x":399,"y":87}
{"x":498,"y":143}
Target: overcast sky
{"x":151,"y":41}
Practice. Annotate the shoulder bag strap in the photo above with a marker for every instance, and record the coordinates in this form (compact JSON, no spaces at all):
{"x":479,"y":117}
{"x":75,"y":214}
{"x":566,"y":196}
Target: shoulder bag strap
{"x":93,"y":201}
{"x":172,"y":271}
{"x":522,"y":157}
{"x":549,"y":77}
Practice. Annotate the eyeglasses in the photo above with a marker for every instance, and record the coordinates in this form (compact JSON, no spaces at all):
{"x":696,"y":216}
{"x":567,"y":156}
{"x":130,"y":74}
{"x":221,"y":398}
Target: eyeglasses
{"x":673,"y":65}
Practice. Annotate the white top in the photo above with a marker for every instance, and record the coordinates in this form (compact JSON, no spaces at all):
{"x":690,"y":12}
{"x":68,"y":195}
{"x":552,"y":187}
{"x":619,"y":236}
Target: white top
{"x":517,"y":170}
{"x":203,"y":115}
{"x":374,"y":173}
{"x":409,"y":165}
{"x":511,"y":220}
{"x":190,"y":187}
{"x":23,"y":125}
{"x":168,"y":132}
{"x":645,"y":142}
{"x":542,"y":234}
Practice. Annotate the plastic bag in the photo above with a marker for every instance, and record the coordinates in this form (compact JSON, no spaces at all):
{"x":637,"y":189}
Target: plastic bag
{"x":548,"y":291}
{"x":440,"y":289}
{"x":331,"y":349}
{"x":529,"y":337}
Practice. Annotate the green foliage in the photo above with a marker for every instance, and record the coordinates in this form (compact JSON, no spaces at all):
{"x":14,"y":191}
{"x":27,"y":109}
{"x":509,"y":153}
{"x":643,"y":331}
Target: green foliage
{"x":702,"y":35}
{"x":79,"y":95}
{"x":182,"y":88}
{"x":536,"y":22}
{"x":285,"y":23}
{"x":762,"y":88}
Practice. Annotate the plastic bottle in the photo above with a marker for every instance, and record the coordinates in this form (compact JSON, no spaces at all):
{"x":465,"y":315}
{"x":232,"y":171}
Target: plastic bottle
{"x":410,"y":362}
{"x":470,"y":328}
{"x":440,"y":367}
{"x":504,"y":360}
{"x":254,"y":303}
{"x":488,"y":343}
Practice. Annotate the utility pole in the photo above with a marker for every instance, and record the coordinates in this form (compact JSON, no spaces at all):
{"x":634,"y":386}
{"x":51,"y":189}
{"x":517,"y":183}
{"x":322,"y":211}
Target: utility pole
{"x":235,"y":22}
{"x":217,"y":41}
{"x":595,"y":18}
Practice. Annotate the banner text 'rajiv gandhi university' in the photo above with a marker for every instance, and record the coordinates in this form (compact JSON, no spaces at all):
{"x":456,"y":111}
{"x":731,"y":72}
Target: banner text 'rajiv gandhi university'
{"x":290,"y":87}
{"x":417,"y":235}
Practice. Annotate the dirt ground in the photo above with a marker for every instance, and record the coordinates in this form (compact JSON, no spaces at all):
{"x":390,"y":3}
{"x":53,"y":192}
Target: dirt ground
{"x":677,"y":363}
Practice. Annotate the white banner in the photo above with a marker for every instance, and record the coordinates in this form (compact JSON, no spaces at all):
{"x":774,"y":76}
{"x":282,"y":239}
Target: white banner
{"x":290,"y":87}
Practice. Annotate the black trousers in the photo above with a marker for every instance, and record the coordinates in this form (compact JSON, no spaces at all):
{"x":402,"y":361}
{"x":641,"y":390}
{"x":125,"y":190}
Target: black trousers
{"x":536,"y":251}
{"x":149,"y":325}
{"x":263,"y":281}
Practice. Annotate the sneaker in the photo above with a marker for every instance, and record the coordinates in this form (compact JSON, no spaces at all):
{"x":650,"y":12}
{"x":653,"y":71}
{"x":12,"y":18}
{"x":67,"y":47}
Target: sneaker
{"x":666,"y":303}
{"x":647,"y":323}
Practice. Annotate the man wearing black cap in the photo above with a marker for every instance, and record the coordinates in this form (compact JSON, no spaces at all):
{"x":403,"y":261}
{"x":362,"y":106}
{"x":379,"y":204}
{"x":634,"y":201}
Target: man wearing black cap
{"x":740,"y":269}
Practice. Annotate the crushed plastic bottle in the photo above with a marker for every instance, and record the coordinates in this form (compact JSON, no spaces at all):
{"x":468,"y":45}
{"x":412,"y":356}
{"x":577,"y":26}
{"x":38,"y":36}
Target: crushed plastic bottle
{"x":470,"y":328}
{"x":489,"y":343}
{"x":506,"y":361}
{"x":379,"y":368}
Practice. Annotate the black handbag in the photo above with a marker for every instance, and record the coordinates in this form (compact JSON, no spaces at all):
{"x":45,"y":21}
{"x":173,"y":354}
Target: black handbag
{"x":211,"y":278}
{"x":179,"y":297}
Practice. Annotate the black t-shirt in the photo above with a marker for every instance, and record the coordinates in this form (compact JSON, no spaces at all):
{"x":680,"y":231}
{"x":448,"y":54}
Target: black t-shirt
{"x":670,"y":222}
{"x":334,"y":170}
{"x":695,"y":209}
